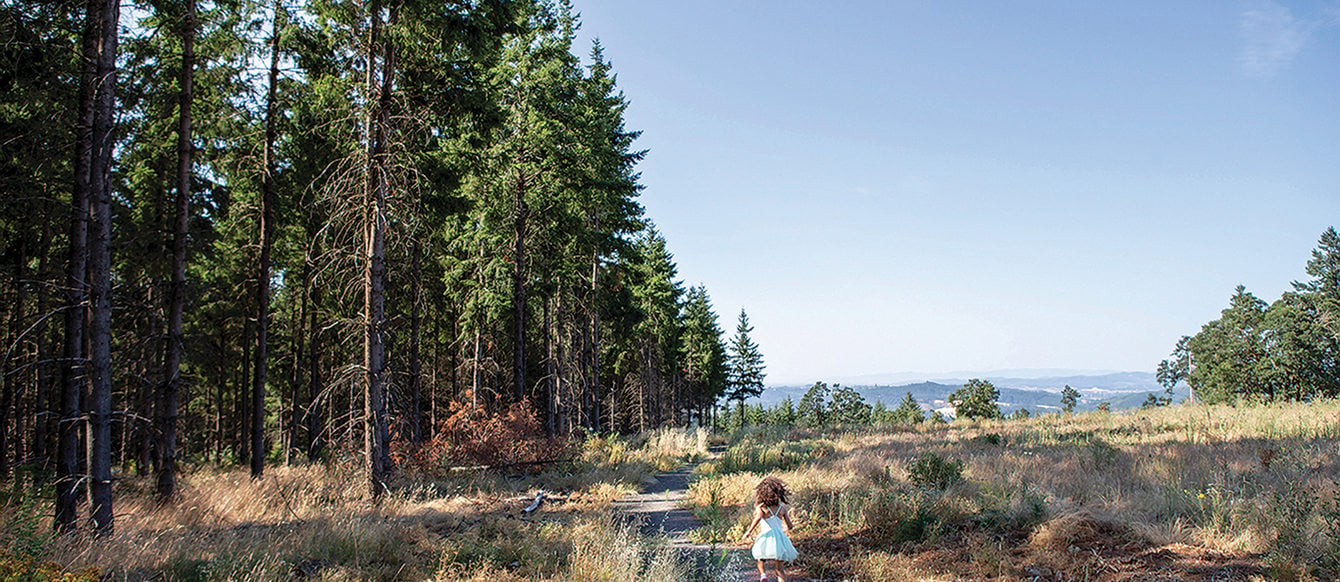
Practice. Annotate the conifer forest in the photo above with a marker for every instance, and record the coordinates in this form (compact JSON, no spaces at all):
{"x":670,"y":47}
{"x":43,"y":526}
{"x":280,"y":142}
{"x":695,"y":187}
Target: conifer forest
{"x":256,"y":232}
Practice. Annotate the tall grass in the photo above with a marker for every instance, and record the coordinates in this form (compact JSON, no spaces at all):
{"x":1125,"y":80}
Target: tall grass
{"x":318,"y":522}
{"x":1258,"y":482}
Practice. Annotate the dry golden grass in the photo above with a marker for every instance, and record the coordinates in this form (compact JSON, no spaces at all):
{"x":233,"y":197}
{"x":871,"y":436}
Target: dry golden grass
{"x":318,"y":522}
{"x":1254,"y":485}
{"x":1186,"y":492}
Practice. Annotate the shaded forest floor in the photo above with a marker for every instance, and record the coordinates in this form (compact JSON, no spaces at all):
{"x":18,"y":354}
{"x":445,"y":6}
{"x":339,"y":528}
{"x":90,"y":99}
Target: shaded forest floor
{"x":1180,"y":493}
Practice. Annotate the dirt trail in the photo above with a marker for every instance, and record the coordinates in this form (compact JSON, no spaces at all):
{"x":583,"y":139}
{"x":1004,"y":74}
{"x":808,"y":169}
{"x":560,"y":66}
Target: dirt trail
{"x":658,"y":509}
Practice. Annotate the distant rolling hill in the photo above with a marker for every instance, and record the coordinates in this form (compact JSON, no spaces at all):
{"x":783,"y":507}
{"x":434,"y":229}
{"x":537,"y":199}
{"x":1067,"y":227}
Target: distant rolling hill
{"x":1122,"y":390}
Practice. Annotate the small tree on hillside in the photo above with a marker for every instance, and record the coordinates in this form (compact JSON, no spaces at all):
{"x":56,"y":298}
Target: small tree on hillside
{"x":812,"y":411}
{"x":745,"y":379}
{"x":848,"y":406}
{"x":908,"y":411}
{"x":1152,"y":401}
{"x":976,"y":399}
{"x":784,"y":414}
{"x":1177,"y":368}
{"x":1069,"y":398}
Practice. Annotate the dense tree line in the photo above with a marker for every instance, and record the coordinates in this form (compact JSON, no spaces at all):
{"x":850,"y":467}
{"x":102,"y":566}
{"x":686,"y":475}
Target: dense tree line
{"x":1286,"y":350}
{"x":824,"y":406}
{"x":249,"y":232}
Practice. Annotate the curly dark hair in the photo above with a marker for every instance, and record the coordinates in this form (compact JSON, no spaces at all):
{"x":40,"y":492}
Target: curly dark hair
{"x":770,"y":492}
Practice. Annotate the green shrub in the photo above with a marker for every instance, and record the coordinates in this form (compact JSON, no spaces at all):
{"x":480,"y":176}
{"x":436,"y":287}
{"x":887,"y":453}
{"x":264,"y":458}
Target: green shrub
{"x":991,"y":438}
{"x":717,"y":524}
{"x":22,"y":533}
{"x":767,"y":457}
{"x":932,"y":470}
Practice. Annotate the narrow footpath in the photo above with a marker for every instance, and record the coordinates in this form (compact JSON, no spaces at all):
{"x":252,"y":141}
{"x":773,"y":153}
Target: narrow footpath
{"x":658,"y":510}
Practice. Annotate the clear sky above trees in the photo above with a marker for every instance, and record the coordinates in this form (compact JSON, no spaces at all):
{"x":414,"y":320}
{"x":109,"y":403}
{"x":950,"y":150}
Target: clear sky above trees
{"x":894,"y":186}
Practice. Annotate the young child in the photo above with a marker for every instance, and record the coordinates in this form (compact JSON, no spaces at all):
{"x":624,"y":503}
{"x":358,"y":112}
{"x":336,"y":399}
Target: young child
{"x":772,"y":544}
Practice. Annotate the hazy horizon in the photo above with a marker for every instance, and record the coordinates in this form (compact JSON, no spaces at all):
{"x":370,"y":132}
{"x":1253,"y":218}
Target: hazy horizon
{"x":897,"y":378}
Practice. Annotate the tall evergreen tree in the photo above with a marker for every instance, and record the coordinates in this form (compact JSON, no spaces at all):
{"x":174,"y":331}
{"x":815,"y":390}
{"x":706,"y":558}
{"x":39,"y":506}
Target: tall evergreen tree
{"x":100,"y":268}
{"x":168,"y":404}
{"x":704,"y":353}
{"x":74,"y":367}
{"x":656,"y":295}
{"x":746,"y":365}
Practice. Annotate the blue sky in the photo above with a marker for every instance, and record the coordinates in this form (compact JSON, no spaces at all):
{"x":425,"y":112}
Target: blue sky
{"x":944,"y":186}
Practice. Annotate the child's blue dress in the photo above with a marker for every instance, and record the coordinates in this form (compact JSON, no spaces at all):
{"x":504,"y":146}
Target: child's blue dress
{"x":772,"y":543}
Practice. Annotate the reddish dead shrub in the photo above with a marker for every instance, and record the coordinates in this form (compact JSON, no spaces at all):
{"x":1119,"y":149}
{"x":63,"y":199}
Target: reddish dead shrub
{"x":471,"y":435}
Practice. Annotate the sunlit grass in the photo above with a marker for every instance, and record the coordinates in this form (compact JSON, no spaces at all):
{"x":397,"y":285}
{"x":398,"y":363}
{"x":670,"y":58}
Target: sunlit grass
{"x":318,"y":521}
{"x":1255,"y":482}
{"x":1256,"y":485}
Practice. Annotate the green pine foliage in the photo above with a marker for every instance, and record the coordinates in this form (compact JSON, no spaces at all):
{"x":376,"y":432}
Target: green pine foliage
{"x":1069,"y":399}
{"x":848,"y":407}
{"x":517,"y":254}
{"x":745,"y":368}
{"x":908,"y":412}
{"x":812,"y":412}
{"x":976,"y":400}
{"x":1286,"y":350}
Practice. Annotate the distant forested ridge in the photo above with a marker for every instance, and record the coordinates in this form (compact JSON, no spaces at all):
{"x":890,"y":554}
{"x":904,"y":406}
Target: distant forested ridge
{"x":252,"y":232}
{"x":1286,"y":350}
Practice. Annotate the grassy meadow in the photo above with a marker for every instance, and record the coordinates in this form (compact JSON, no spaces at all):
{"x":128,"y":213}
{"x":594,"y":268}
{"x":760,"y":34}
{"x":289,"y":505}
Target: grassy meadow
{"x":316,"y":522}
{"x":1175,"y":493}
{"x":1171,"y":493}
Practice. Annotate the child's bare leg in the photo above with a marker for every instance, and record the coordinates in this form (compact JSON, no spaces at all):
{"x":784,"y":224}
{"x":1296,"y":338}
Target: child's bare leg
{"x":761,"y":571}
{"x":781,"y":571}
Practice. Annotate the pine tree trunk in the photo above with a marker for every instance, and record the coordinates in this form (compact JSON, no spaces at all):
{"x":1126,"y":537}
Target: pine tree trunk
{"x":551,"y":368}
{"x":7,"y":376}
{"x":220,"y":381}
{"x":241,"y":402}
{"x":560,"y":355}
{"x":260,"y":372}
{"x":168,"y":400}
{"x":519,"y":216}
{"x":374,"y":280}
{"x":475,"y":377}
{"x":415,"y":339}
{"x":593,"y":385}
{"x":8,"y":401}
{"x":100,"y":281}
{"x":73,"y":368}
{"x":316,"y":429}
{"x":43,"y":402}
{"x":295,"y":373}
